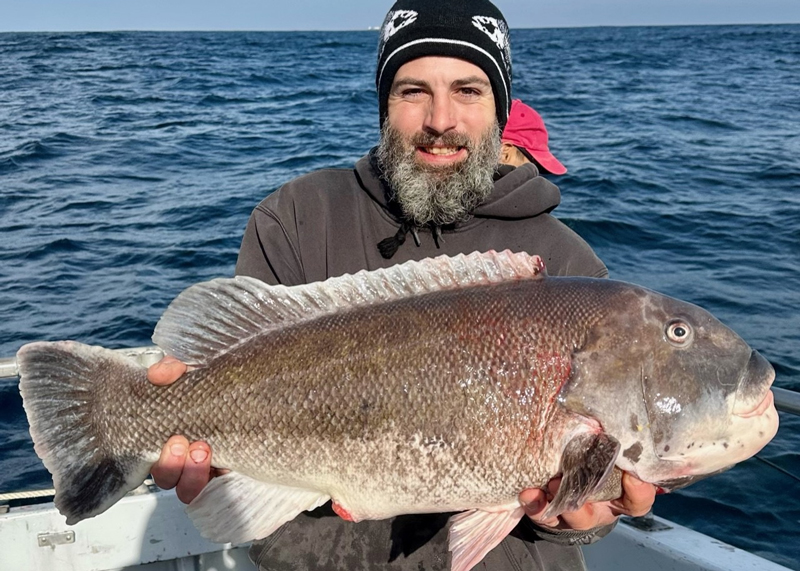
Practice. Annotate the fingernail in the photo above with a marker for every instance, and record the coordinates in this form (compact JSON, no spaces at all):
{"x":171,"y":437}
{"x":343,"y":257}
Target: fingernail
{"x":533,"y":507}
{"x":177,"y":449}
{"x":198,"y":455}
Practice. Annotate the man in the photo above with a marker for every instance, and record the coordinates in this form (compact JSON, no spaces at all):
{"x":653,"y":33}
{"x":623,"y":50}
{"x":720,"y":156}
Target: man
{"x":443,"y":79}
{"x":525,"y":141}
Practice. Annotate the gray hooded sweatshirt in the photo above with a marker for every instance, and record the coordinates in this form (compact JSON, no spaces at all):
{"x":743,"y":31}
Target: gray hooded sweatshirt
{"x":329,"y":223}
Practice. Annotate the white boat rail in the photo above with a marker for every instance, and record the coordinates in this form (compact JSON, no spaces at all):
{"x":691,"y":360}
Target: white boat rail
{"x":145,"y":355}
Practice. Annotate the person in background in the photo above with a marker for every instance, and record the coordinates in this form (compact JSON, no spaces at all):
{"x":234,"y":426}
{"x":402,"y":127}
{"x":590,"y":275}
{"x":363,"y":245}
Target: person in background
{"x":525,"y":141}
{"x":444,"y":83}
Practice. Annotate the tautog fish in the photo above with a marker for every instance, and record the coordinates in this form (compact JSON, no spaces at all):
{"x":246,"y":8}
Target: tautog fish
{"x":443,"y":385}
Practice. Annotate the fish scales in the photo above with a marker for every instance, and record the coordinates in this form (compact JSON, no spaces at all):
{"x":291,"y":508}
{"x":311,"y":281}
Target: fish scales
{"x":442,"y":385}
{"x":447,"y":395}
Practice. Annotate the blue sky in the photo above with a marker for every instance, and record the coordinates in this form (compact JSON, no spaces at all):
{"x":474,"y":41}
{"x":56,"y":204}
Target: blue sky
{"x":90,"y":15}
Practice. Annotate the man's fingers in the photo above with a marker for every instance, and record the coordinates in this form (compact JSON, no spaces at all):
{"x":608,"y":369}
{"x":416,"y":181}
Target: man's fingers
{"x":637,"y":497}
{"x":196,"y":472}
{"x":534,"y":502}
{"x":167,"y":471}
{"x":636,"y":500}
{"x":183,"y":466}
{"x":166,"y":371}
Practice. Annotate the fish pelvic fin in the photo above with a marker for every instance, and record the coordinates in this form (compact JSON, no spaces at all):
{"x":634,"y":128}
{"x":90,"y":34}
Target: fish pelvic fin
{"x":475,"y":533}
{"x":586,"y":465}
{"x":236,"y":508}
{"x":211,"y":318}
{"x":58,"y":383}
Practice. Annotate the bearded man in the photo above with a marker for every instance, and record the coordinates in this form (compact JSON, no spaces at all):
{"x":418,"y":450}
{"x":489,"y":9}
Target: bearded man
{"x":443,"y":80}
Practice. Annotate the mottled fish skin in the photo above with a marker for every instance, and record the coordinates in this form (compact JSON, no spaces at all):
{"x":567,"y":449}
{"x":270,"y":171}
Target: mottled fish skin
{"x":442,"y":402}
{"x":441,"y":386}
{"x":447,"y":401}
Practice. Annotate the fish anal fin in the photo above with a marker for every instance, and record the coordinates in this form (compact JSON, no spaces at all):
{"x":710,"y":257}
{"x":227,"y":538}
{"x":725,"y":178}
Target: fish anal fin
{"x":236,"y":508}
{"x":587,"y":462}
{"x":476,"y":532}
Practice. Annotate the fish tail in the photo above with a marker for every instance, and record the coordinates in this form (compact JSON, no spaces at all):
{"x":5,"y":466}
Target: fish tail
{"x":65,"y":388}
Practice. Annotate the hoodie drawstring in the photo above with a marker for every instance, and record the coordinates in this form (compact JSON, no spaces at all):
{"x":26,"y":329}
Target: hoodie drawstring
{"x":437,"y":235}
{"x":388,"y":246}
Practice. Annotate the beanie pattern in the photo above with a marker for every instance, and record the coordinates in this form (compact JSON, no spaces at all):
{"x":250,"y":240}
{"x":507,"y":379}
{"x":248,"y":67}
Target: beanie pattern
{"x":472,"y":30}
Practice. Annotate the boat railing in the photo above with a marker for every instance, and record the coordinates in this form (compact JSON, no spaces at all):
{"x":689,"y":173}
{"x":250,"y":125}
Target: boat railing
{"x":145,"y":355}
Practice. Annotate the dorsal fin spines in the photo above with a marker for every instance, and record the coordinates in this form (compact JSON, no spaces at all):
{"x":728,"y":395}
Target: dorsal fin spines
{"x":212,"y":317}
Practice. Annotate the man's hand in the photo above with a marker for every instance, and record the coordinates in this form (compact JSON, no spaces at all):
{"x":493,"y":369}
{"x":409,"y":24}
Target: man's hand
{"x":183,"y":465}
{"x":636,"y":500}
{"x":166,"y":371}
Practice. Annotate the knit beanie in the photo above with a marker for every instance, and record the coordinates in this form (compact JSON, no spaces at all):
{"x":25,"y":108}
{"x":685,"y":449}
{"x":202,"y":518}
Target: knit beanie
{"x":472,"y":30}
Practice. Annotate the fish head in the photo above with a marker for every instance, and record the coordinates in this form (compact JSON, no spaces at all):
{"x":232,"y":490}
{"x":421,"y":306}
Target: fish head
{"x":684,"y":394}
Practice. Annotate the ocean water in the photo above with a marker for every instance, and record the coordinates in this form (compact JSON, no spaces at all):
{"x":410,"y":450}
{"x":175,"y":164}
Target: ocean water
{"x":129,"y":163}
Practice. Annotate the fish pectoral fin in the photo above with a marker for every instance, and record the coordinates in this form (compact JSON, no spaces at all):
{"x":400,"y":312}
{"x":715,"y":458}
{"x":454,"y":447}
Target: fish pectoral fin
{"x":236,"y":508}
{"x":475,"y":533}
{"x":586,"y":464}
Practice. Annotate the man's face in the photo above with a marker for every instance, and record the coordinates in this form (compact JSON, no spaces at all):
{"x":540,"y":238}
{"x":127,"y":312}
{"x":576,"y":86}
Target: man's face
{"x":440,"y":142}
{"x":439,"y":96}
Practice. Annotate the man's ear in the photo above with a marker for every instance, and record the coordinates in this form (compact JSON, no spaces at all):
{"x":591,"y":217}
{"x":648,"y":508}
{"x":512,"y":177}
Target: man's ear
{"x":506,"y":153}
{"x":511,"y":155}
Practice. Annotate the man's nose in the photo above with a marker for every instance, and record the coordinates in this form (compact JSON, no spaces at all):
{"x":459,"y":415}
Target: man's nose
{"x":441,"y":116}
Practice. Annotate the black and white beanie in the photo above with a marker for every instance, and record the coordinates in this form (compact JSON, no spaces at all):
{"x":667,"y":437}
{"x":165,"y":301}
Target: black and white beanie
{"x":472,"y":30}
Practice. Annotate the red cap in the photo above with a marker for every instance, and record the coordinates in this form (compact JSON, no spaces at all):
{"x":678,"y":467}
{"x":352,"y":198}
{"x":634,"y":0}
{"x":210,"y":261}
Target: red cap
{"x":525,"y":129}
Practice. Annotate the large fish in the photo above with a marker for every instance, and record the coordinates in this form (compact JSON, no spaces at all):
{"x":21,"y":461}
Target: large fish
{"x":444,"y":385}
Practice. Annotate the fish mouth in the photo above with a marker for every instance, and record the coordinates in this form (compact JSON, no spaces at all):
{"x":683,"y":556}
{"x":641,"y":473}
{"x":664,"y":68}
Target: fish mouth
{"x":754,"y":394}
{"x":761,"y":408}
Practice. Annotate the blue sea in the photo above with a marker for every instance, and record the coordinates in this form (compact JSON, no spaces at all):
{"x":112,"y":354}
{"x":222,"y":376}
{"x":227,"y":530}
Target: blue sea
{"x":129,"y":163}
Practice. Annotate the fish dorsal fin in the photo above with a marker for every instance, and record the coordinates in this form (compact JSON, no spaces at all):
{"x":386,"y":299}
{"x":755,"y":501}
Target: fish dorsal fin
{"x":210,"y":318}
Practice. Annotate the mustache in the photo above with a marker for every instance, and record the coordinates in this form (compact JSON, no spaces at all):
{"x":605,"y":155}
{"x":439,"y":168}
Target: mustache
{"x":449,"y":139}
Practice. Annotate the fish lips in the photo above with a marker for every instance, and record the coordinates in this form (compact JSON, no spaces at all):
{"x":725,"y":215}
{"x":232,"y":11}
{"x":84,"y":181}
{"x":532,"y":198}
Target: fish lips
{"x":753,"y":395}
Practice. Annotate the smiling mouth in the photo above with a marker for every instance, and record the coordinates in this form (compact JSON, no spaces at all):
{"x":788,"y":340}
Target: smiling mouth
{"x":441,"y":151}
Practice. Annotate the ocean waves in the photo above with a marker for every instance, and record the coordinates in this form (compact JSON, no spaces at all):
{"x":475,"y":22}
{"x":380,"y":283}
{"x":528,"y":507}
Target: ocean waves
{"x":130,"y":162}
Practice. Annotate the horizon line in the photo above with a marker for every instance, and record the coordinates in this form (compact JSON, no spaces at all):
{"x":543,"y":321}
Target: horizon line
{"x":377,"y":28}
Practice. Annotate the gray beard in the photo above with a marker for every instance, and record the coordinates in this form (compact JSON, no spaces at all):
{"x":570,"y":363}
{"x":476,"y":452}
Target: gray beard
{"x":438,"y":195}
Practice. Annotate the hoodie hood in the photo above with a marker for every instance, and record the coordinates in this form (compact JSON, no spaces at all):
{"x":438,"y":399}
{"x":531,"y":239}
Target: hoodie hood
{"x":518,"y":192}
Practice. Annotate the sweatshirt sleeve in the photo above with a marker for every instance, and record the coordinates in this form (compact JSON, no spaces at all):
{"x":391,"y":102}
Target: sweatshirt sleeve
{"x":268,"y":251}
{"x":566,"y":537}
{"x":572,"y":254}
{"x":584,"y":262}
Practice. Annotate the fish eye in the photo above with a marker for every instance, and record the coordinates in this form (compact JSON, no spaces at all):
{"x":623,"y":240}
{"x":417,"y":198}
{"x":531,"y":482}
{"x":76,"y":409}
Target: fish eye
{"x":679,"y":332}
